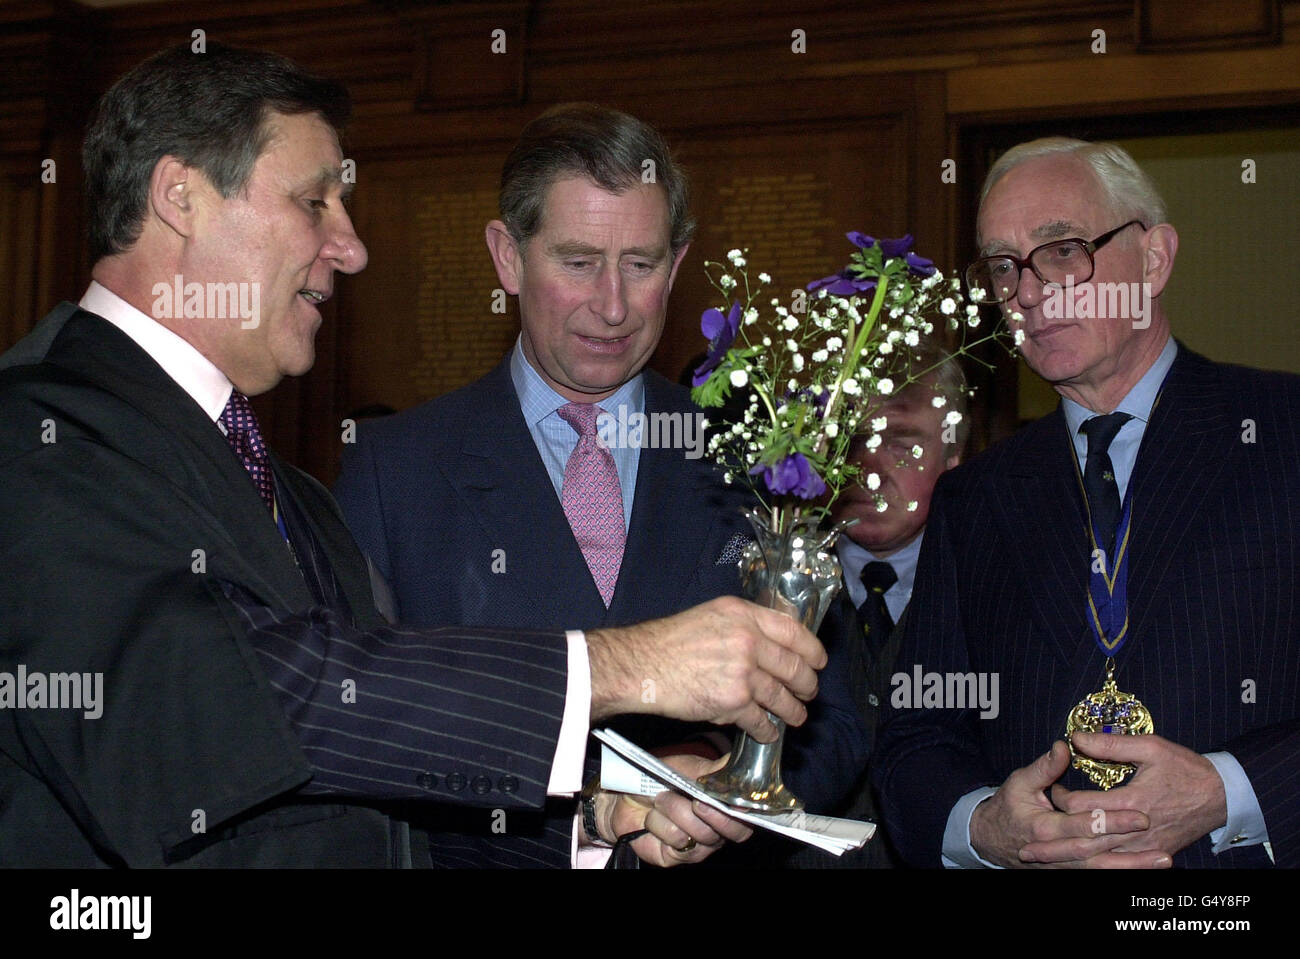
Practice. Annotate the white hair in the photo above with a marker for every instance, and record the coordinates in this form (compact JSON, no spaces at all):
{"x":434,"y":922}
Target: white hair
{"x":1128,"y":190}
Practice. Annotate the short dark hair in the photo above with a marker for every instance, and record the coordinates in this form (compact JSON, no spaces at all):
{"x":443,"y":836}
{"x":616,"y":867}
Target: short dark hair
{"x":605,"y":146}
{"x":209,"y":110}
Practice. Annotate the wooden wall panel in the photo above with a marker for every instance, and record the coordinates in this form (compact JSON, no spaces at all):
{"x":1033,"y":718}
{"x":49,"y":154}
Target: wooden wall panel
{"x":849,"y":135}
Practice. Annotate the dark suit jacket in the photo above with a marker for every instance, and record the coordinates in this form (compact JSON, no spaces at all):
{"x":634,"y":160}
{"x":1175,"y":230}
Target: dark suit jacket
{"x":432,"y":495}
{"x":1212,"y":648}
{"x":123,"y":510}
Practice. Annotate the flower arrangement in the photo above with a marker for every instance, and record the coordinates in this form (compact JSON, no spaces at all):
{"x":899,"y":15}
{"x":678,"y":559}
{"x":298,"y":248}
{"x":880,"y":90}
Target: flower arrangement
{"x":817,"y":369}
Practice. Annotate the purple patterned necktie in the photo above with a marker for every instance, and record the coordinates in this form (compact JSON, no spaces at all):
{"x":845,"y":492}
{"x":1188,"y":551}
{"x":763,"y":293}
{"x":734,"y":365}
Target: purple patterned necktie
{"x":593,"y":500}
{"x":246,"y":440}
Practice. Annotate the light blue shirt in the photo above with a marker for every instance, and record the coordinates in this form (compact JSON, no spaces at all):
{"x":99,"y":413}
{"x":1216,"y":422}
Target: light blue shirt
{"x":853,"y":558}
{"x":556,"y":439}
{"x":1245,"y":823}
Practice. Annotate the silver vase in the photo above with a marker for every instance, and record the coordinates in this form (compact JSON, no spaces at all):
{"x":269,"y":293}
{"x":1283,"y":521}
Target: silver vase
{"x":797,"y":573}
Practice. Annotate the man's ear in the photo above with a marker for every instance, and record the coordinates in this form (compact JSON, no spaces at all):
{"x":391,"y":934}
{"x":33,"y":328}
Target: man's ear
{"x":952,"y":462}
{"x":1161,"y":246}
{"x":506,"y":256}
{"x":677,"y":261}
{"x":172,"y":194}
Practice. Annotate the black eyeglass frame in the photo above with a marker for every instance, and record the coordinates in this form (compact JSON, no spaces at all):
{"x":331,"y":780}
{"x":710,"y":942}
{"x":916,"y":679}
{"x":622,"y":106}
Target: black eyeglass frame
{"x":1090,"y":247}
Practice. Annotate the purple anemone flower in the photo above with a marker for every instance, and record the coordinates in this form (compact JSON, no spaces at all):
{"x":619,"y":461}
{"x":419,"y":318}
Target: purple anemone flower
{"x":806,"y":395}
{"x":843,"y":283}
{"x":792,"y":475}
{"x":861,"y":240}
{"x":721,"y":331}
{"x":919,"y":265}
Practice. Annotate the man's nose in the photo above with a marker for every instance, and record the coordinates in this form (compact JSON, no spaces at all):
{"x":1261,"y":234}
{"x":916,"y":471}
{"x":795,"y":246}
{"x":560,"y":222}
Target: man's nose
{"x":609,"y":300}
{"x":343,"y":247}
{"x":1029,"y":288}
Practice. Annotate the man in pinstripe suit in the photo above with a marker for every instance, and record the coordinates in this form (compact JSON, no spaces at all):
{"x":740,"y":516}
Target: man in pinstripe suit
{"x":1202,"y":459}
{"x":255,"y":710}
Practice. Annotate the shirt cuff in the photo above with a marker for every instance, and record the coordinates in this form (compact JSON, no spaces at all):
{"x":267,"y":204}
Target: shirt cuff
{"x":586,"y":857}
{"x":1245,"y":825}
{"x":571,"y":747}
{"x":958,"y":853}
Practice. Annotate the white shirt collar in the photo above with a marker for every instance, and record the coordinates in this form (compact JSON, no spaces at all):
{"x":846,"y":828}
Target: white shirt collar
{"x":191,"y":370}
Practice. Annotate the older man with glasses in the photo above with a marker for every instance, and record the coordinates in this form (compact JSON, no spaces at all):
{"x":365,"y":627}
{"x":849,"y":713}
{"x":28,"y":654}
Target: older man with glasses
{"x":1126,"y":567}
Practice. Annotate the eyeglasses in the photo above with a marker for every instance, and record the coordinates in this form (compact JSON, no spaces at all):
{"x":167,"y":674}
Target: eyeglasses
{"x":1059,"y":262}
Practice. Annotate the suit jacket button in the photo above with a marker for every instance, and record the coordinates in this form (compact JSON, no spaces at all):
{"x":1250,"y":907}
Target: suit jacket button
{"x":508,"y":784}
{"x":426,"y":781}
{"x":480,"y":785}
{"x":455,"y":782}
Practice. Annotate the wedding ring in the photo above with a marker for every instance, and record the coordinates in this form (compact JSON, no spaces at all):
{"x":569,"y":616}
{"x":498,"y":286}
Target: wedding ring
{"x":690,"y":844}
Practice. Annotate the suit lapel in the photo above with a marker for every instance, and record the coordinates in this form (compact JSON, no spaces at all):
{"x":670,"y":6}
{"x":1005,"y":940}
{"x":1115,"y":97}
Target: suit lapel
{"x":1042,"y":514}
{"x":504,"y":484}
{"x":94,"y":348}
{"x":1180,"y":462}
{"x":670,"y":528}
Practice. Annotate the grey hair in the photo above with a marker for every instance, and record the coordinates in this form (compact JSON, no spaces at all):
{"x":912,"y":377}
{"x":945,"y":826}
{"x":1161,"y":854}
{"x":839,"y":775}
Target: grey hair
{"x":1128,"y":190}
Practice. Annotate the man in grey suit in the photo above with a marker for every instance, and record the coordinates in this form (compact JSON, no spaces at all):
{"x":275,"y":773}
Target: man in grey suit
{"x":237,"y":699}
{"x":591,"y":249}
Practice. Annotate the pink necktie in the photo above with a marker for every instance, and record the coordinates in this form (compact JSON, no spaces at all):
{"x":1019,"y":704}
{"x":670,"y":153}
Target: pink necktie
{"x":592,"y":499}
{"x":246,"y":440}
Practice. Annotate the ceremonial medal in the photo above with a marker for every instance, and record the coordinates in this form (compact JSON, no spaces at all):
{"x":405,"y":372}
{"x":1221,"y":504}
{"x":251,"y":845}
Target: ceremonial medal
{"x":1107,"y":711}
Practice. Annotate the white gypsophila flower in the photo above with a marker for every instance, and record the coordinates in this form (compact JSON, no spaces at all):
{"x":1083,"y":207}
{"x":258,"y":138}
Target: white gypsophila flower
{"x":973,"y":321}
{"x":797,"y":362}
{"x":1016,"y":317}
{"x":972,"y":310}
{"x":726,"y":281}
{"x":834,"y":343}
{"x":739,"y":377}
{"x":911,"y":507}
{"x":931,"y":281}
{"x":894,"y":336}
{"x":896,"y":312}
{"x":1019,"y":337}
{"x":948,"y":306}
{"x":912,"y":338}
{"x":767,"y":341}
{"x":927,"y":328}
{"x":792,"y":384}
{"x":879,"y":423}
{"x":780,"y":310}
{"x":764,"y":278}
{"x":751,"y":316}
{"x":939,"y":401}
{"x":952,"y":419}
{"x":733,"y":255}
{"x":881,"y":505}
{"x":976,"y":295}
{"x":851,"y":387}
{"x":792,"y":345}
{"x":873,"y":481}
{"x":917,"y":452}
{"x":726,"y":478}
{"x":820,"y":356}
{"x":885,"y":386}
{"x":737,"y":429}
{"x":885,"y":347}
{"x":873,"y":441}
{"x":790,"y":323}
{"x":832,"y":431}
{"x":832,"y":313}
{"x":740,"y":262}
